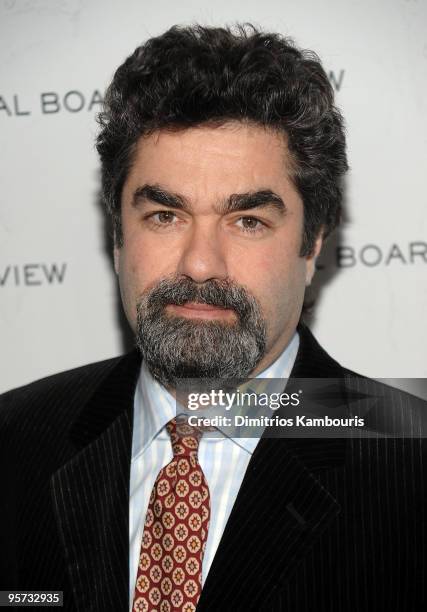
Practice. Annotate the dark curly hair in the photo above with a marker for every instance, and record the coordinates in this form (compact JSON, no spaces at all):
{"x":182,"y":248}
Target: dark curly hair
{"x":194,"y":75}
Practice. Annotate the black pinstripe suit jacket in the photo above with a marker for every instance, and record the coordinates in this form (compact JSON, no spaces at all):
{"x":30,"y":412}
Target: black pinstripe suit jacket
{"x":329,"y":525}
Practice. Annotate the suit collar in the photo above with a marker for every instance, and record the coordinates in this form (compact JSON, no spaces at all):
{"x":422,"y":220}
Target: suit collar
{"x":112,"y":397}
{"x":312,"y":361}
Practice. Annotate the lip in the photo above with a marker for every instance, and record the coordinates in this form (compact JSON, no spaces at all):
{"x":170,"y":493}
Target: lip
{"x":201,"y":311}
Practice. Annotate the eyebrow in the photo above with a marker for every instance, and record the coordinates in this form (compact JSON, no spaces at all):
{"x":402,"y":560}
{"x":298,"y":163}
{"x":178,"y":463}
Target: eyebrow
{"x":234,"y":203}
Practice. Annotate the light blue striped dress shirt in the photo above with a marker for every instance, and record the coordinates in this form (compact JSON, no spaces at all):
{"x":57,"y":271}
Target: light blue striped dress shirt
{"x":223,"y":460}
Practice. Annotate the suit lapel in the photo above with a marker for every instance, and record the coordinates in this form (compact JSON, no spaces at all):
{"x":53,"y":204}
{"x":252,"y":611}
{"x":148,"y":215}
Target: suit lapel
{"x":281,"y":509}
{"x":91,"y":494}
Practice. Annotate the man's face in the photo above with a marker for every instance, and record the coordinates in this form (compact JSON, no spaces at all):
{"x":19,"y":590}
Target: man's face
{"x":214,"y":207}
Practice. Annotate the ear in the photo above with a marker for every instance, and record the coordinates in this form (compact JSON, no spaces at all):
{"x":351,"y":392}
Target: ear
{"x":311,"y":259}
{"x":116,"y":255}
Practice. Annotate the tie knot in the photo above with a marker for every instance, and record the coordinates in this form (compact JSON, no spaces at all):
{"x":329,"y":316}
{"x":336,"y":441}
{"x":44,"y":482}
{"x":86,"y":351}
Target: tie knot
{"x":184,"y":438}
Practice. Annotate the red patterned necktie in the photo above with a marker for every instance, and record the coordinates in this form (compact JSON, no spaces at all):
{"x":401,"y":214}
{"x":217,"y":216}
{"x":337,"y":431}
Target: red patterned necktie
{"x":169,"y":577}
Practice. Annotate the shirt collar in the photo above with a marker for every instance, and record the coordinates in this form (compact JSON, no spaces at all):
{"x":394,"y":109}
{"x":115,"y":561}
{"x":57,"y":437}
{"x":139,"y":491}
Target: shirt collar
{"x":154,"y":406}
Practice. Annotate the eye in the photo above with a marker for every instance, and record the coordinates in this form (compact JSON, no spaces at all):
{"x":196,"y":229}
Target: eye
{"x":163,"y":217}
{"x":250,"y":224}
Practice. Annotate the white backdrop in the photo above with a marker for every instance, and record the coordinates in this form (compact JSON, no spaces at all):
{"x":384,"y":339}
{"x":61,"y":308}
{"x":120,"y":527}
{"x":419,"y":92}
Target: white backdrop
{"x":58,"y":298}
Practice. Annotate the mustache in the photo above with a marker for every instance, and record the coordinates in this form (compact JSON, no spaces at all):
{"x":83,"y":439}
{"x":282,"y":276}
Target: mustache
{"x":221,"y":293}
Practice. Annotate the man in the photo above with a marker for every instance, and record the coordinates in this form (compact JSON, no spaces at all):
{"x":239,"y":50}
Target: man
{"x":222,"y":156}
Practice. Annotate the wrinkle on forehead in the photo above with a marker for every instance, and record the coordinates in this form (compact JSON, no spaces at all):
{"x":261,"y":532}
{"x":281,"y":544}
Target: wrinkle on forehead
{"x":251,"y":128}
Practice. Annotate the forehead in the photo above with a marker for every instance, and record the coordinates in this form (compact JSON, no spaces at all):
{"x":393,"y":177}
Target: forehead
{"x":215,"y":160}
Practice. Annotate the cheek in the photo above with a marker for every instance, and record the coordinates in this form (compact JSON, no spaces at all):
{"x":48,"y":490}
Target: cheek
{"x":273,"y":268}
{"x":128,"y":285}
{"x":276,"y":277}
{"x":141,"y":265}
{"x":286,"y":286}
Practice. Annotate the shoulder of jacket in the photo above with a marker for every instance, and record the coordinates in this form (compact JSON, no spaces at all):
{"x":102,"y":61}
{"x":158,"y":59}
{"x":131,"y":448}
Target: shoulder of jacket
{"x":56,"y":388}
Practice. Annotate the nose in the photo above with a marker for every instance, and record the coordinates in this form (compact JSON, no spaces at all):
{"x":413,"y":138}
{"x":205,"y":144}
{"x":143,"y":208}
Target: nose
{"x":203,"y":257}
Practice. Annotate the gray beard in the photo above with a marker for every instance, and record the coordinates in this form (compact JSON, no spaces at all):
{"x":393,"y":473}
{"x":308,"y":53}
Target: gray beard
{"x":176,"y":347}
